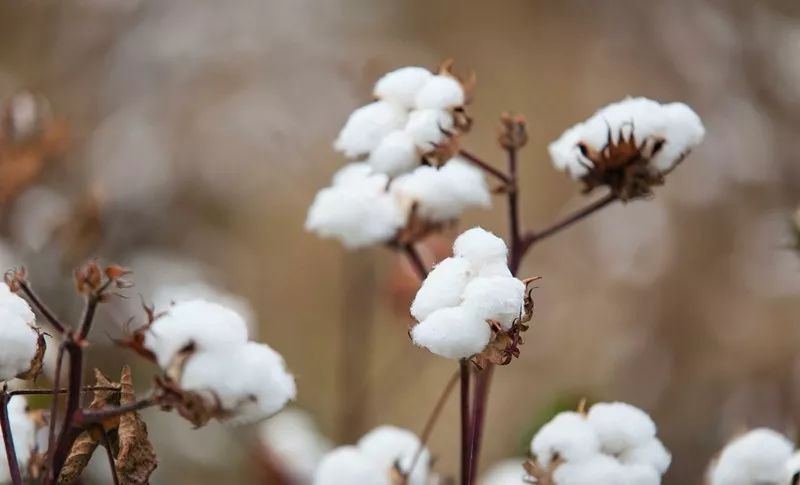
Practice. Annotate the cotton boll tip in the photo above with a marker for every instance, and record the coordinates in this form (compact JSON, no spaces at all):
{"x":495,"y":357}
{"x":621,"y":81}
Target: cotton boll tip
{"x":480,"y":247}
{"x":402,"y":85}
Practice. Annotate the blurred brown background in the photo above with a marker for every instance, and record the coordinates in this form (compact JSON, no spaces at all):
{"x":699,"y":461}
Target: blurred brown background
{"x":200,"y":131}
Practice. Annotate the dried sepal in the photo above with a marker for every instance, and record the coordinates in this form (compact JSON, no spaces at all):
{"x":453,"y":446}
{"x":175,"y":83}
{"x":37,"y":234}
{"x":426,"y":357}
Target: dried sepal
{"x":541,"y":475}
{"x":513,"y":132}
{"x":134,"y":339}
{"x":136,"y":458}
{"x":37,"y":362}
{"x":78,"y":458}
{"x":196,"y":407}
{"x":15,"y":277}
{"x":468,"y":82}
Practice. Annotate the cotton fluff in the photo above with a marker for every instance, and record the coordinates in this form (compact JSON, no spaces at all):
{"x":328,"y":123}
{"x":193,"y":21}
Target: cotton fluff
{"x":498,"y":298}
{"x":649,"y":121}
{"x":356,"y":209}
{"x":23,"y":431}
{"x":346,"y":465}
{"x":652,"y":454}
{"x":16,"y":304}
{"x":567,"y":436}
{"x":387,"y":445}
{"x":442,"y":194}
{"x":293,"y":439}
{"x":620,"y":426}
{"x":596,"y":470}
{"x":507,"y":472}
{"x":18,"y":345}
{"x":402,"y":85}
{"x":454,"y":333}
{"x":442,"y":288}
{"x":250,"y":380}
{"x":429,"y":127}
{"x":758,"y":457}
{"x":792,"y":469}
{"x":440,"y":92}
{"x":395,"y":154}
{"x":366,"y":127}
{"x":480,"y":248}
{"x":199,"y":324}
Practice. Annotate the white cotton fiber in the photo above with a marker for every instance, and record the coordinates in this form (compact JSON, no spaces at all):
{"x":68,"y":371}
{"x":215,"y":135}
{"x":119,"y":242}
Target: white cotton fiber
{"x":480,"y":247}
{"x":620,"y":426}
{"x":567,"y":436}
{"x":366,"y":127}
{"x":442,"y":288}
{"x":498,"y":298}
{"x":757,"y":457}
{"x":390,"y":445}
{"x":395,"y":154}
{"x":652,"y":453}
{"x":429,"y":127}
{"x":402,"y":85}
{"x":346,"y":465}
{"x":452,"y":332}
{"x":440,"y":92}
{"x":597,"y":470}
{"x":18,"y":344}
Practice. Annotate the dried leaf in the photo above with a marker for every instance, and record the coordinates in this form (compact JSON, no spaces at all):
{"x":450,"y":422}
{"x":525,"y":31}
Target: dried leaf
{"x":137,"y":458}
{"x":37,"y":362}
{"x":197,"y":408}
{"x":77,"y":460}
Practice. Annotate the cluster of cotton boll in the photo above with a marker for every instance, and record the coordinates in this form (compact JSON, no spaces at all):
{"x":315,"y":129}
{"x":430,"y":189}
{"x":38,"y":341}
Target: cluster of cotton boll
{"x":759,"y":457}
{"x":371,"y":199}
{"x":373,"y":459}
{"x":204,"y":347}
{"x":21,"y":342}
{"x":464,"y":294}
{"x":612,"y":444}
{"x":23,"y":432}
{"x":661,"y":134}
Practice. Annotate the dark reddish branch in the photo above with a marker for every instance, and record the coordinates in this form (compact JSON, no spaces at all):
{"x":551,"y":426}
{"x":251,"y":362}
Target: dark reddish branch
{"x":478,"y":162}
{"x":8,"y":441}
{"x":479,"y":403}
{"x":91,"y":308}
{"x":533,"y":237}
{"x":109,"y":453}
{"x":416,"y":261}
{"x":86,"y":417}
{"x":68,"y":434}
{"x":466,"y":434}
{"x":51,"y":432}
{"x":515,"y":233}
{"x":41,"y":307}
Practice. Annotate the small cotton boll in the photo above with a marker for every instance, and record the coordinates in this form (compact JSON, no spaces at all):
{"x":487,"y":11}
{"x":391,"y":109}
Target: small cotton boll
{"x":507,"y":472}
{"x":346,"y":465}
{"x":653,"y":454}
{"x":15,"y":304}
{"x":440,"y":92}
{"x":453,"y":333}
{"x":395,"y":154}
{"x":18,"y":344}
{"x":498,"y":298}
{"x":366,"y":127}
{"x":442,"y":287}
{"x":757,"y":457}
{"x":567,"y":436}
{"x":250,"y":380}
{"x":596,"y":470}
{"x":199,"y":323}
{"x":294,"y":440}
{"x":620,"y":426}
{"x":387,"y":445}
{"x":402,"y":85}
{"x":480,"y":247}
{"x":429,"y":127}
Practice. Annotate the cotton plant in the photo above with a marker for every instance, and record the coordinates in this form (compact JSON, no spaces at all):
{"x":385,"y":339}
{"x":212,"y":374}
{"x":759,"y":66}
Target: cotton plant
{"x":612,"y":444}
{"x":759,"y":457}
{"x":387,"y":455}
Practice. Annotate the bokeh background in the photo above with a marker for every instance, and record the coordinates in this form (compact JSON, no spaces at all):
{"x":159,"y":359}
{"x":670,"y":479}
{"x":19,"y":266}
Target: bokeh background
{"x":187,"y":138}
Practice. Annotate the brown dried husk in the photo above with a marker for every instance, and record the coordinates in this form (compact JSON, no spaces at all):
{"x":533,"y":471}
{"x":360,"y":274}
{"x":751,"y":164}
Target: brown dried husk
{"x":136,"y":459}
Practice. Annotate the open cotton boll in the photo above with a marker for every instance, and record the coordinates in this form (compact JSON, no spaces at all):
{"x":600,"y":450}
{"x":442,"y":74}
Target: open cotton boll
{"x":596,"y":470}
{"x":480,"y":247}
{"x":18,"y":344}
{"x":757,"y":457}
{"x":498,"y":298}
{"x":366,"y":127}
{"x":250,"y":380}
{"x":442,"y":287}
{"x":507,"y":472}
{"x":294,"y":440}
{"x":346,"y":465}
{"x":466,"y":182}
{"x":684,"y":131}
{"x":23,"y":431}
{"x":564,"y":156}
{"x":395,"y":154}
{"x":402,"y":85}
{"x":620,"y":426}
{"x":198,"y":323}
{"x":429,"y":127}
{"x":653,"y":454}
{"x":567,"y":436}
{"x":454,"y":333}
{"x":387,"y":445}
{"x":15,"y":304}
{"x":437,"y":194}
{"x":440,"y":92}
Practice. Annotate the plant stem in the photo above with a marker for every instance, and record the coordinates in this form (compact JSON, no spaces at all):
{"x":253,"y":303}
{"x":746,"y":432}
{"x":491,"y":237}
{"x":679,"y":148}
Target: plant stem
{"x":466,"y":455}
{"x":478,"y":162}
{"x":67,"y":435}
{"x":41,"y":307}
{"x":85,"y":417}
{"x":433,"y":419}
{"x":416,"y":261}
{"x":535,"y":236}
{"x":51,"y":434}
{"x":50,"y":392}
{"x":91,"y":307}
{"x":480,"y":399}
{"x":109,"y":454}
{"x":513,"y":214}
{"x":8,"y":441}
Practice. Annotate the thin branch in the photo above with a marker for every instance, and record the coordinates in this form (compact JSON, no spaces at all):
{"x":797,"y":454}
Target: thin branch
{"x":51,"y":434}
{"x":41,"y":307}
{"x":92,"y":416}
{"x":8,"y":441}
{"x":107,"y":444}
{"x":49,"y":392}
{"x":515,"y":233}
{"x":91,"y":308}
{"x":416,"y":261}
{"x":433,"y":419}
{"x":480,"y":400}
{"x":466,"y":457}
{"x":478,"y":162}
{"x":67,"y":435}
{"x":535,"y":236}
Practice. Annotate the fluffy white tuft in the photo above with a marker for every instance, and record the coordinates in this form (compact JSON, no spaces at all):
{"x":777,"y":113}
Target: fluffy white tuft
{"x":346,"y":465}
{"x":480,"y":247}
{"x":387,"y":445}
{"x":367,"y":126}
{"x":429,"y":127}
{"x":620,"y":426}
{"x":442,"y":288}
{"x":792,"y":469}
{"x":440,"y":92}
{"x":16,"y":304}
{"x":454,"y":333}
{"x":507,"y":472}
{"x":596,"y":470}
{"x":653,"y":454}
{"x":498,"y":298}
{"x":294,"y":440}
{"x":18,"y":339}
{"x":759,"y":456}
{"x":395,"y":154}
{"x":567,"y":436}
{"x":402,"y":85}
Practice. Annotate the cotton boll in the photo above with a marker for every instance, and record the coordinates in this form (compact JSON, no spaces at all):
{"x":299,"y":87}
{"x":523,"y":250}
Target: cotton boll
{"x":346,"y":465}
{"x":429,"y":127}
{"x":567,"y":436}
{"x":653,"y":454}
{"x":507,"y":472}
{"x":480,"y":247}
{"x":250,"y":380}
{"x":294,"y":440}
{"x":402,"y":85}
{"x":498,"y":298}
{"x":620,"y":426}
{"x":442,"y":288}
{"x":684,"y":131}
{"x":440,"y":92}
{"x":452,"y":332}
{"x":15,"y":304}
{"x":387,"y":445}
{"x":597,"y":470}
{"x":18,"y":344}
{"x":759,"y":456}
{"x":199,"y":323}
{"x":395,"y":154}
{"x":366,"y":127}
